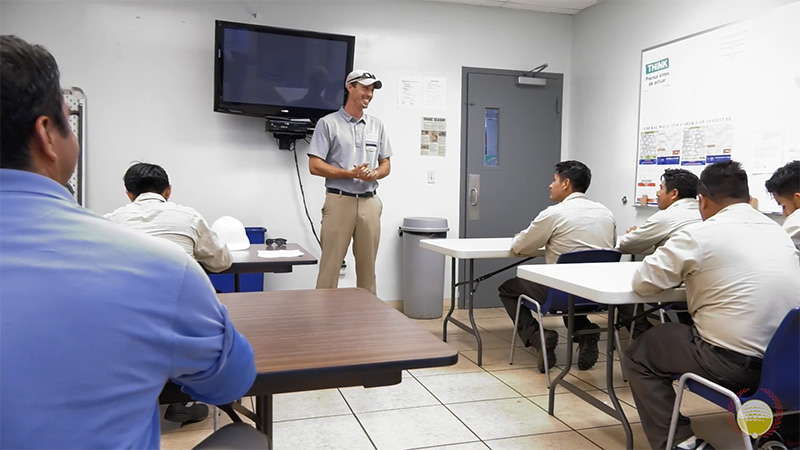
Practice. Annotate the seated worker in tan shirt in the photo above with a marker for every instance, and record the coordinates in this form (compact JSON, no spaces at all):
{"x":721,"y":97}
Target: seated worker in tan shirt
{"x":742,"y":277}
{"x":574,"y":223}
{"x":677,"y":208}
{"x":150,"y":211}
{"x":784,"y":185}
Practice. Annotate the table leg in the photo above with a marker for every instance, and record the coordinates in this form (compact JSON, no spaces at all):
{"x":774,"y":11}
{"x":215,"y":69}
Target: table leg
{"x":452,"y":298}
{"x":470,"y":299}
{"x":264,"y":412}
{"x":472,"y":328}
{"x":610,"y":376}
{"x":236,"y":282}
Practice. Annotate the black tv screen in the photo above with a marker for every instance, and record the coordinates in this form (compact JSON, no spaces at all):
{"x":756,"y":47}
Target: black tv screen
{"x":267,"y":71}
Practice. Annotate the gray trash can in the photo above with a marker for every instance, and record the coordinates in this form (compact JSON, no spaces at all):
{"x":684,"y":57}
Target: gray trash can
{"x":423,"y":270}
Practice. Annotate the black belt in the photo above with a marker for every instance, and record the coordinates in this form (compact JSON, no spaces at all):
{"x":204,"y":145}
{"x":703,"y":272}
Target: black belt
{"x":748,"y":362}
{"x":350,"y":194}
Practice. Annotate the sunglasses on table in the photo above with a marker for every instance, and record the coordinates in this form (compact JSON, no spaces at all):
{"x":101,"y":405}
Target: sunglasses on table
{"x":276,"y":242}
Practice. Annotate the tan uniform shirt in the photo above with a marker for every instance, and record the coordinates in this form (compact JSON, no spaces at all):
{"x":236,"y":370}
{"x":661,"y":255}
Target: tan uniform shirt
{"x":576,"y":223}
{"x":741,"y":274}
{"x":660,"y":226}
{"x":152,"y":214}
{"x":792,"y":226}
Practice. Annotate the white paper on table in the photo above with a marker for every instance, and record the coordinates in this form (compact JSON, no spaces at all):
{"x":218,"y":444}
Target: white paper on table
{"x":279,"y":253}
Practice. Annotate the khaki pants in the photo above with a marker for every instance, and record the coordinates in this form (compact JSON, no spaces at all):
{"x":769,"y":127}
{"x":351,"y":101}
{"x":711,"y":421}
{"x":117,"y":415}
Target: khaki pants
{"x":344,"y":219}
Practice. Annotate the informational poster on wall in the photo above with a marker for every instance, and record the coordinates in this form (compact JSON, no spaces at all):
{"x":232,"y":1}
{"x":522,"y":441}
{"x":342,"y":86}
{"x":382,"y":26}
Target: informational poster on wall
{"x":732,"y":92}
{"x":433,"y":141}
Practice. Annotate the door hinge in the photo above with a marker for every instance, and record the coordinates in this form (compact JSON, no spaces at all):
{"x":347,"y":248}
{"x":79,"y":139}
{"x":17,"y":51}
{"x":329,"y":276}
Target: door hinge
{"x":469,"y":103}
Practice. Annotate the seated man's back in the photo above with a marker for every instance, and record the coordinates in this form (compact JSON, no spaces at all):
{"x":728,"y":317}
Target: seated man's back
{"x":94,"y":318}
{"x":741,"y":274}
{"x":151,"y":212}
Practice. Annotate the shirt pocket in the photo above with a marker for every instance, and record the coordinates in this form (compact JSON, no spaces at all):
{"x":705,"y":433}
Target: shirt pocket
{"x":371,"y":144}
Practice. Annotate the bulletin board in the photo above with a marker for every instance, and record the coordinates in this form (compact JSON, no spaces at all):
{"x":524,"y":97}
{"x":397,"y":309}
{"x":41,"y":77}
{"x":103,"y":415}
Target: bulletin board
{"x":732,"y":92}
{"x":76,"y":103}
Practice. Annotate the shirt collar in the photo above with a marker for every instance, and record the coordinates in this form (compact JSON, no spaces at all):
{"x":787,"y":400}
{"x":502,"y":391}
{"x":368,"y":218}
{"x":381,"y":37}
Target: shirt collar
{"x":574,"y":195}
{"x":12,"y":180}
{"x":149,"y":196}
{"x":347,"y":117}
{"x":682,"y":201}
{"x":736,"y":208}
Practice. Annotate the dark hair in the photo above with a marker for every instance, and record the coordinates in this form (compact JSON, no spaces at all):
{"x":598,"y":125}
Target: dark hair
{"x":785,"y":181}
{"x":724,"y":179}
{"x":29,"y":89}
{"x":144,"y":177}
{"x":578,"y":174}
{"x":682,"y":180}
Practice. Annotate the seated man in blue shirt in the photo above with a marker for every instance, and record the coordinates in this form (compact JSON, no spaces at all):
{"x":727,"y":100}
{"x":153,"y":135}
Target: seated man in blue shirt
{"x":94,"y":317}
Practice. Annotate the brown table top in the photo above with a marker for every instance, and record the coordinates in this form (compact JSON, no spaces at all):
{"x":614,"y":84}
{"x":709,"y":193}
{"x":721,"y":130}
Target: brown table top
{"x":247,"y":261}
{"x":316,"y":339}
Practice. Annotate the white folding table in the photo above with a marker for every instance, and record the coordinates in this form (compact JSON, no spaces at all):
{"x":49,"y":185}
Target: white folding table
{"x":471,"y":249}
{"x":606,"y":283}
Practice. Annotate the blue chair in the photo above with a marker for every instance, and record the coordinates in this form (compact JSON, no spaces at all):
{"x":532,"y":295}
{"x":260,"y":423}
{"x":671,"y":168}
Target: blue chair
{"x":557,"y":302}
{"x":780,"y":376}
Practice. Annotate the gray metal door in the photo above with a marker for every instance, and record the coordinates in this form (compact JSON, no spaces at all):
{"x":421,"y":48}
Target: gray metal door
{"x":512,"y":140}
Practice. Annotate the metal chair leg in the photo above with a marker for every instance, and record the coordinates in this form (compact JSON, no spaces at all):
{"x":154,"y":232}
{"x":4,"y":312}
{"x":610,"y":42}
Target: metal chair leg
{"x":538,"y":308}
{"x":711,"y":385}
{"x":514,"y":331}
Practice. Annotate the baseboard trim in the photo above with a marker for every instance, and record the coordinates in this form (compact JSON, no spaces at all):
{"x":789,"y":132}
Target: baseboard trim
{"x":398,"y":304}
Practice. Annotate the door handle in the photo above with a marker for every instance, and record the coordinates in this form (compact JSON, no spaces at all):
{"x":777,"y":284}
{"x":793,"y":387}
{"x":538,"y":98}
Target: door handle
{"x":473,"y":197}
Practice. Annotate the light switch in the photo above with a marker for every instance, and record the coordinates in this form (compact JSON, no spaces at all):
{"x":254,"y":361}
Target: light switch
{"x":431,"y":177}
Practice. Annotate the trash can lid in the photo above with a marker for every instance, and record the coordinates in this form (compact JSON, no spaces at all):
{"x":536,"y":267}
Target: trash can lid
{"x":425,"y":224}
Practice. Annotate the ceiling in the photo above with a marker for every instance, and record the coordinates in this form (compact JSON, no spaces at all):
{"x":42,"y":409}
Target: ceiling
{"x":551,"y":6}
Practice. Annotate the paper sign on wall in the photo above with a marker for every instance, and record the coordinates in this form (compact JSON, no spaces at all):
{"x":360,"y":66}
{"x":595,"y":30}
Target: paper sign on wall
{"x":433,"y":141}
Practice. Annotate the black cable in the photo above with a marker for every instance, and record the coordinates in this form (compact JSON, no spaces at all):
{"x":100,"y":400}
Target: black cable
{"x":303,"y":193}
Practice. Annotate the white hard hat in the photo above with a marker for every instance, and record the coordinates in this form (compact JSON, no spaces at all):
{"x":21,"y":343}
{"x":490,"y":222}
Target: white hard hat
{"x":231,"y":233}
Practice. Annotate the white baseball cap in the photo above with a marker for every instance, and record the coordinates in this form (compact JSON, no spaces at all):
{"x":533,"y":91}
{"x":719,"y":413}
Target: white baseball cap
{"x":363,"y":77}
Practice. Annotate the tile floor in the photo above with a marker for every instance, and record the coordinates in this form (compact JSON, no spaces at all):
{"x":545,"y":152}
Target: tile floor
{"x":464,"y":406}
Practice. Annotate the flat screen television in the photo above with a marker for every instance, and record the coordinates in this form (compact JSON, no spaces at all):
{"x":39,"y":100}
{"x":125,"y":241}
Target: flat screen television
{"x":266,"y":71}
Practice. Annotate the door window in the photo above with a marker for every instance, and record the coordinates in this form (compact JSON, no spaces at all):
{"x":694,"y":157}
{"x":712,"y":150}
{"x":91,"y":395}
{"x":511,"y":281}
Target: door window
{"x":491,"y":126}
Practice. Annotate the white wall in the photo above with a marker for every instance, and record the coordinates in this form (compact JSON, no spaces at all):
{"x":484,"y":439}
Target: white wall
{"x":607,"y":42}
{"x":147,"y":70}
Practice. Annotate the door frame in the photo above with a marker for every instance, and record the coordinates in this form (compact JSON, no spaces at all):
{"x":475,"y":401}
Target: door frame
{"x":463,"y":175}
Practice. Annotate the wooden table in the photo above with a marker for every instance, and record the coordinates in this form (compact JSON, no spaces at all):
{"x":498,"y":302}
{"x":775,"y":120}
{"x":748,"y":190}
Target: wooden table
{"x":327,"y":338}
{"x":471,"y":249}
{"x":248,"y":261}
{"x":607,"y":283}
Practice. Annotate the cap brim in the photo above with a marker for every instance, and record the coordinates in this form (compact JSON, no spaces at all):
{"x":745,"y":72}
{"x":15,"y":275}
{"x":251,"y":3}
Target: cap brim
{"x":370,"y":82}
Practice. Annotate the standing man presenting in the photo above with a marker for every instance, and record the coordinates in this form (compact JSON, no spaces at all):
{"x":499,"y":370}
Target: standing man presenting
{"x":351,"y":150}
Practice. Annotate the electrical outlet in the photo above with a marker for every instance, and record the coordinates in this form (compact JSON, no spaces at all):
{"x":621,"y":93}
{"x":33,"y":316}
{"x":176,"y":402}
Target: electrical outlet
{"x":431,"y":177}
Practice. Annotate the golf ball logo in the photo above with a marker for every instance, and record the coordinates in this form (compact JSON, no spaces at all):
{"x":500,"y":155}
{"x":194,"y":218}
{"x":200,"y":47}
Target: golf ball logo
{"x":754,"y":418}
{"x":757,"y":417}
